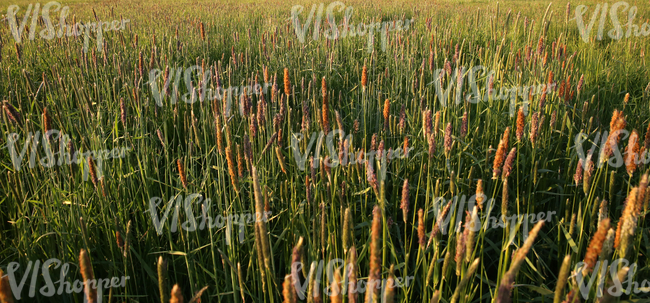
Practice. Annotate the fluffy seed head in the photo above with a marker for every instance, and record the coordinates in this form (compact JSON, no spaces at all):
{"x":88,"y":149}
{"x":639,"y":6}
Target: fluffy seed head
{"x":421,"y":234}
{"x":632,"y":155}
{"x":436,"y":125}
{"x":6,"y":295}
{"x":501,"y":153}
{"x":463,"y":125}
{"x":507,"y":167}
{"x":11,"y":112}
{"x":287,"y":82}
{"x":177,"y":295}
{"x":479,"y":193}
{"x":520,"y":123}
{"x":364,"y":76}
{"x":232,"y":170}
{"x":325,"y":111}
{"x":448,"y":140}
{"x":374,"y":274}
{"x":432,"y":145}
{"x":595,"y":246}
{"x":93,"y":173}
{"x":577,"y":177}
{"x":87,"y":274}
{"x":405,"y":199}
{"x":386,"y":113}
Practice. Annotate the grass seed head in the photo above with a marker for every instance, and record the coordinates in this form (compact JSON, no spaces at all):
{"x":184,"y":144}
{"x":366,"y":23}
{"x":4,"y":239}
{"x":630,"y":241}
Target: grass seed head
{"x":87,"y":275}
{"x":421,"y":231}
{"x":162,"y":279}
{"x":448,"y":139}
{"x":177,"y":295}
{"x":463,"y":125}
{"x":6,"y":295}
{"x":386,"y":113}
{"x":577,"y":177}
{"x":632,"y":156}
{"x":595,"y":246}
{"x":501,"y":153}
{"x":436,"y":125}
{"x":13,"y":115}
{"x":479,"y":193}
{"x":181,"y":172}
{"x":232,"y":170}
{"x":348,"y":230}
{"x":507,"y":167}
{"x":520,"y":123}
{"x":374,"y":276}
{"x":287,"y":82}
{"x":405,"y":200}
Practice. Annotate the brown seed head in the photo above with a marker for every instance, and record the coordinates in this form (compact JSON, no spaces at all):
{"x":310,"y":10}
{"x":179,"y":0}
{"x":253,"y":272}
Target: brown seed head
{"x":436,"y":228}
{"x":632,"y":156}
{"x":47,"y":122}
{"x":287,"y":82}
{"x":507,"y":167}
{"x":119,"y":239}
{"x":577,"y":177}
{"x":428,"y":123}
{"x":520,"y":123}
{"x":405,"y":199}
{"x":93,"y":173}
{"x":325,"y":111}
{"x":463,"y":125}
{"x":448,"y":139}
{"x":181,"y":172}
{"x":87,"y":275}
{"x":479,"y":193}
{"x":374,"y":274}
{"x":386,"y":113}
{"x":177,"y":295}
{"x":11,"y":112}
{"x":436,"y":125}
{"x":421,"y":234}
{"x":6,"y":295}
{"x":266,"y":74}
{"x":595,"y":246}
{"x":501,"y":154}
{"x":232,"y":170}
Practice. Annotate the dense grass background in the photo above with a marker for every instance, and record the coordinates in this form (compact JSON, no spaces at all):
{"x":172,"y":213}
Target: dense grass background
{"x":40,"y":208}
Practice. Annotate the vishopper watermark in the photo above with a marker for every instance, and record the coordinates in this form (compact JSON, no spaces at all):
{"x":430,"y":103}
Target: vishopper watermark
{"x":201,"y":92}
{"x":616,"y":159}
{"x":50,"y":31}
{"x":476,"y":96}
{"x":49,"y":289}
{"x":617,"y":31}
{"x":64,"y":156}
{"x":488,"y":221}
{"x":347,"y":29}
{"x":361,"y":286}
{"x":207,"y":221}
{"x":344,"y":156}
{"x":616,"y":289}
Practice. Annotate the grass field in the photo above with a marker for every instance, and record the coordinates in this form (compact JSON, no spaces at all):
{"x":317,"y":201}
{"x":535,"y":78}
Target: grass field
{"x":329,"y":164}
